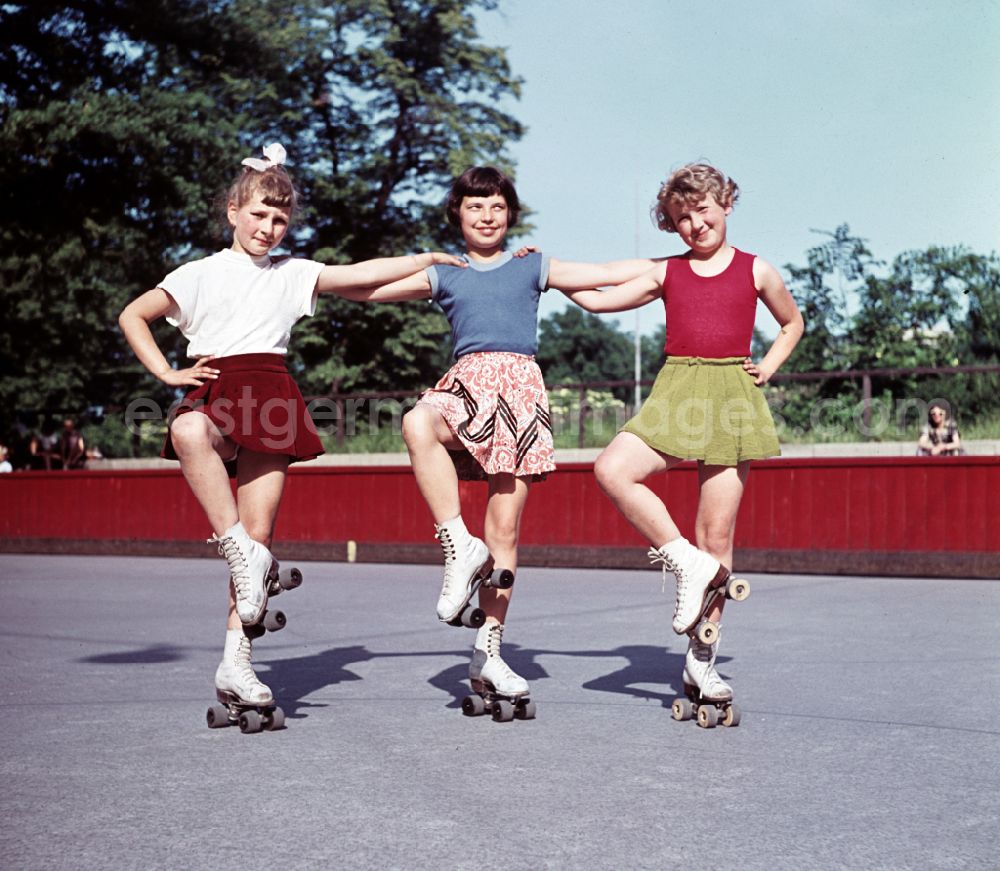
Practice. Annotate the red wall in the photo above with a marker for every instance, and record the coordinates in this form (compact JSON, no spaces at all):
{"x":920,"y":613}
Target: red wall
{"x":876,"y":505}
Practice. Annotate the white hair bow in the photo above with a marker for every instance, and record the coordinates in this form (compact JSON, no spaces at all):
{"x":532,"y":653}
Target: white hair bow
{"x":274,"y":155}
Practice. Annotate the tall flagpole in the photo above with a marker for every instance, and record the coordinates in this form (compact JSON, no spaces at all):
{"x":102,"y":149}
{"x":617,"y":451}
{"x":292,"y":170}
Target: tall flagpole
{"x":638,"y":343}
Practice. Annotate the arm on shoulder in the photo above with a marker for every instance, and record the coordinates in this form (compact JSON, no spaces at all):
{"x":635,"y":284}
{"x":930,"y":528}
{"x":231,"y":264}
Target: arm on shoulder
{"x":416,"y":286}
{"x":382,"y":272}
{"x":565,"y":275}
{"x":631,"y":294}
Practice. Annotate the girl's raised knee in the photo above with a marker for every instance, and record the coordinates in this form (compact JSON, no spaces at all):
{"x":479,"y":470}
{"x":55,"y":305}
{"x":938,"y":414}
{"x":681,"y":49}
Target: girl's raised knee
{"x":417,"y":426}
{"x":189,"y":430}
{"x":608,"y":472}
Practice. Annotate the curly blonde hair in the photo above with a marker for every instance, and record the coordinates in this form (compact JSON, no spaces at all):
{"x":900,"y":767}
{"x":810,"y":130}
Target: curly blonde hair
{"x":689,"y":185}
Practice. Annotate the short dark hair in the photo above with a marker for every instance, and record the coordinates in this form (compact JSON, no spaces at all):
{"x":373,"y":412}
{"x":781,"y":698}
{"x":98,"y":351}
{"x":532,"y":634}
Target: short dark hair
{"x":482,"y":181}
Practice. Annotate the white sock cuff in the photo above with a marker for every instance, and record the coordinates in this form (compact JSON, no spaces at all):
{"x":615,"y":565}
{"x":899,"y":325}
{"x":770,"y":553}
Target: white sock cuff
{"x":456,"y":526}
{"x":675,"y":545}
{"x":237,"y":530}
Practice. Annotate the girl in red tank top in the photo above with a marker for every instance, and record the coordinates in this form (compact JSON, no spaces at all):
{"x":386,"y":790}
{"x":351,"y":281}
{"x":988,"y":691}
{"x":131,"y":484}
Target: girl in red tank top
{"x":706,"y":405}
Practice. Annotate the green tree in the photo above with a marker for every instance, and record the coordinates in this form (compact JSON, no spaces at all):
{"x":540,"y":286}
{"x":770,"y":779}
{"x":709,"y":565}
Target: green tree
{"x":652,"y":353}
{"x":822,"y":290}
{"x":426,"y":95}
{"x":106,"y":147}
{"x":576,"y":346}
{"x":934,"y":308}
{"x":122,"y":119}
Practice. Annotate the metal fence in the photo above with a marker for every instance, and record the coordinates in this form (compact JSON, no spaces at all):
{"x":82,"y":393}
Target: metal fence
{"x":343,"y":407}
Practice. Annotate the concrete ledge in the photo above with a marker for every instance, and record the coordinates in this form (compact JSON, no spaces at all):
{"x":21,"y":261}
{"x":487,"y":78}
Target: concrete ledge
{"x":978,"y":448}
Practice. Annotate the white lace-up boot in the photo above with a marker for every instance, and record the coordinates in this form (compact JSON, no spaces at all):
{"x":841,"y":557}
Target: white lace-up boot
{"x":488,"y":670}
{"x":235,"y":680}
{"x":695,"y":572}
{"x":465,"y":556}
{"x":250,"y":563}
{"x":699,"y":671}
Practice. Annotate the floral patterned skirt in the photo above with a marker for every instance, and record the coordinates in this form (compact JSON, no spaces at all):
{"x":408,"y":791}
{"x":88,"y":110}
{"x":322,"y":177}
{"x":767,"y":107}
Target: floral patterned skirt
{"x":495,"y":404}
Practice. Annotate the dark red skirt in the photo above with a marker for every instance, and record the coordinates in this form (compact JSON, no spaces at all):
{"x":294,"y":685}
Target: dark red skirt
{"x":257,"y":404}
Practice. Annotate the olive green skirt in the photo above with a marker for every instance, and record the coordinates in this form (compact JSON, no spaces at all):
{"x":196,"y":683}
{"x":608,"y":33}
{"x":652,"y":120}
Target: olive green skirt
{"x":709,"y":410}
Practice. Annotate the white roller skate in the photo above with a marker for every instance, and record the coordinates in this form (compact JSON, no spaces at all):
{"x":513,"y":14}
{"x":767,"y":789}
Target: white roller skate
{"x":250,"y":566}
{"x":244,"y":699}
{"x":466,"y":559}
{"x":496,"y":687}
{"x":708,"y":698}
{"x":699,"y":576}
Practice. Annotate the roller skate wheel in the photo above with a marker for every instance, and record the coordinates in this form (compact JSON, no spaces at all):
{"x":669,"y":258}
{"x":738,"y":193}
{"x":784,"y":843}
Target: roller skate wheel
{"x":502,"y":579}
{"x":731,"y":716}
{"x":289,"y":579}
{"x":738,"y":589}
{"x":525,"y":710}
{"x":708,"y":632}
{"x":473,"y":706}
{"x":275,"y":720}
{"x":255,"y":631}
{"x":682,"y":709}
{"x":473,"y":618}
{"x":251,"y":721}
{"x":218,"y":717}
{"x":503,"y":711}
{"x":708,"y":716}
{"x":274,"y":620}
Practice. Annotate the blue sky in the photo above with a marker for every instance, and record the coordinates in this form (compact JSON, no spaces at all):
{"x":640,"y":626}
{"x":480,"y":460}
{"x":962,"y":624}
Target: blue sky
{"x":884,"y":116}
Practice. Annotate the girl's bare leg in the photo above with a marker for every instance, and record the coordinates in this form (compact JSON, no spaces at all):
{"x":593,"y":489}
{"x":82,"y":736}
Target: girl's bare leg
{"x":202,"y":449}
{"x":621,"y":469}
{"x":718,"y":504}
{"x":507,"y":497}
{"x":503,"y":520}
{"x":260,"y":481}
{"x":428,"y":439}
{"x":260,"y":484}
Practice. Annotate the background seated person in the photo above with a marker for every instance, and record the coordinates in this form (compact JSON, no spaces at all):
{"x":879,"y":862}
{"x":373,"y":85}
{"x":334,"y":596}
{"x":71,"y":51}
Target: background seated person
{"x":939,"y":437}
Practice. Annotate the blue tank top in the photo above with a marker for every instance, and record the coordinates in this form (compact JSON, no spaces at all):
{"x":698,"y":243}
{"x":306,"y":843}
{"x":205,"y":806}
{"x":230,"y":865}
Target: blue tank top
{"x":492,"y":306}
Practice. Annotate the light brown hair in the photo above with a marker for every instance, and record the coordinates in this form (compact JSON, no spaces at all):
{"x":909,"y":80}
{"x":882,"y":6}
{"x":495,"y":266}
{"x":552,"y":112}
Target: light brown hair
{"x":690,"y":185}
{"x":274,"y":186}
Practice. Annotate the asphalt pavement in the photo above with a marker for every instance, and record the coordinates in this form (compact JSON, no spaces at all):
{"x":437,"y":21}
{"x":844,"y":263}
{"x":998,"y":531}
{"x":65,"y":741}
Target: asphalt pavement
{"x":869,"y":737}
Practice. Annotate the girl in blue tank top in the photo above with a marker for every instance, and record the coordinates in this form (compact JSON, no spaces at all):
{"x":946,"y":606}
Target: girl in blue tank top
{"x":488,"y":416}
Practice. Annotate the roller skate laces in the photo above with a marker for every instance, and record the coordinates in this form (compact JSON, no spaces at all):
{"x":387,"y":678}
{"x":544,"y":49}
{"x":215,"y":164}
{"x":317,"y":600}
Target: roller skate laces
{"x":700,"y":671}
{"x":488,"y":668}
{"x":668,"y":566}
{"x":694,"y":574}
{"x":461,"y":565}
{"x":236,"y":681}
{"x":251,"y":591}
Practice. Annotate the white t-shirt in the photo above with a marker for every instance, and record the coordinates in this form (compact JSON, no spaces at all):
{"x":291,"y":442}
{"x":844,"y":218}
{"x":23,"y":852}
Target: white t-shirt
{"x":232,"y":303}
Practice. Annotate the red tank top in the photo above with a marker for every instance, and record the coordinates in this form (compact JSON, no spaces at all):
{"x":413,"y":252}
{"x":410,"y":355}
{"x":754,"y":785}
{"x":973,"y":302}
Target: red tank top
{"x":710,"y":317}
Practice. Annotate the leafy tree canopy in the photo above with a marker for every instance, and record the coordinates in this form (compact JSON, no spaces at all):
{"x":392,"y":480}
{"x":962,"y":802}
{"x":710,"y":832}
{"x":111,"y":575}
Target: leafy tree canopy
{"x":122,"y":120}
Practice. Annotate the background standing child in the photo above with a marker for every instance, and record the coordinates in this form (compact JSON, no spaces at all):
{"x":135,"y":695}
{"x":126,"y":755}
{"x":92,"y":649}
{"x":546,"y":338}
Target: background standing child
{"x":488,"y":416}
{"x":705,"y":404}
{"x":236,"y":308}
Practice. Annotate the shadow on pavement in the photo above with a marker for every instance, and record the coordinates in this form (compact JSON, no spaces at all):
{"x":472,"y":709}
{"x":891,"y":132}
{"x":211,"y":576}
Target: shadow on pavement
{"x":293,"y":680}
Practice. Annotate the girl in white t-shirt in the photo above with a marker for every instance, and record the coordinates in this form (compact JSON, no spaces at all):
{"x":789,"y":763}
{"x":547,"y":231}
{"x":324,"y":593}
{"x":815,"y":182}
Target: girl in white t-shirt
{"x":236,"y":308}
